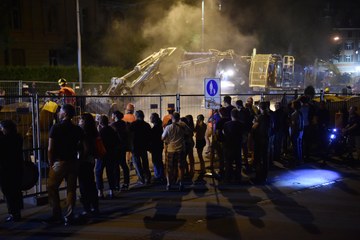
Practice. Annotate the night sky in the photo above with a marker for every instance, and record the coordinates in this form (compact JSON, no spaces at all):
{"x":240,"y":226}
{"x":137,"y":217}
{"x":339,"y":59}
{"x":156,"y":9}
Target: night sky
{"x":300,"y":28}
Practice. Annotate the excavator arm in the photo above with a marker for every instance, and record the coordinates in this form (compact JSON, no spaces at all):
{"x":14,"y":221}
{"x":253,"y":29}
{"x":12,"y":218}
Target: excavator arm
{"x":144,"y":70}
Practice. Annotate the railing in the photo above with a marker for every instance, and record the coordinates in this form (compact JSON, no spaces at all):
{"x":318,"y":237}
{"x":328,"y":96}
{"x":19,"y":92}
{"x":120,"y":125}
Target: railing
{"x":34,"y":120}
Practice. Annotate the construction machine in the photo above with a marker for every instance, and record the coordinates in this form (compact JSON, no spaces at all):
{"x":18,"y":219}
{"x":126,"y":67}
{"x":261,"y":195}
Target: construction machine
{"x":184,"y":73}
{"x":229,"y":67}
{"x":145,"y":70}
{"x":269,"y":71}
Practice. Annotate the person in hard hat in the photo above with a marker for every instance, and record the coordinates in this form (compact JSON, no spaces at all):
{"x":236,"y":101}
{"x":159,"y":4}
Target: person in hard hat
{"x":64,"y":91}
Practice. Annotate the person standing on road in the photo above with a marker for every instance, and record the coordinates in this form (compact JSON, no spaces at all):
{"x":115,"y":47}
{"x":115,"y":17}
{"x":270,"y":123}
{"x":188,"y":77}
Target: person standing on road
{"x":11,"y":166}
{"x":352,"y":129}
{"x":129,"y":117}
{"x":296,"y":132}
{"x":156,"y":147}
{"x":65,"y":141}
{"x":233,"y":131}
{"x":189,"y":146}
{"x":174,"y":138}
{"x":323,"y":120}
{"x":246,"y":119}
{"x":200,"y":142}
{"x":219,"y":139}
{"x":141,"y":132}
{"x":121,"y":129}
{"x":87,"y":185}
{"x":109,"y":160}
{"x":280,"y":127}
{"x":260,"y":131}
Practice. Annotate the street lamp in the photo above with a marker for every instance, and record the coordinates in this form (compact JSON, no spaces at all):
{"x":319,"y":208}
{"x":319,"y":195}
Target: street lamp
{"x":79,"y":42}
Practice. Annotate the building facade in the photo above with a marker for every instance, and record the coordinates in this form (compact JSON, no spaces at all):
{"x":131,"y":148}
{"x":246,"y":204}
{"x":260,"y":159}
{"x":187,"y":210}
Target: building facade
{"x":37,"y":32}
{"x":348,"y":50}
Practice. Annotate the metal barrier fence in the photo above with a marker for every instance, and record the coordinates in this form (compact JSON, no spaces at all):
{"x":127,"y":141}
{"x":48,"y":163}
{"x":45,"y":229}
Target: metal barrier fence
{"x":34,"y":115}
{"x":19,"y":87}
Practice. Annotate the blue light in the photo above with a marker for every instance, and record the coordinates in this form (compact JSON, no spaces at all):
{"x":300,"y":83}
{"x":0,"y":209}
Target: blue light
{"x":334,"y":130}
{"x":305,"y":178}
{"x":332,"y":136}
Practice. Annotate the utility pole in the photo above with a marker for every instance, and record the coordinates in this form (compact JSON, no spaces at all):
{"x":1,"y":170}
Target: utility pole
{"x":202,"y":24}
{"x":79,"y":42}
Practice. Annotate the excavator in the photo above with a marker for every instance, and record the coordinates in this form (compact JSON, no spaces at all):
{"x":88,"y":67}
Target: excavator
{"x":184,"y":72}
{"x":180,"y":73}
{"x":272,"y":71}
{"x":145,"y":70}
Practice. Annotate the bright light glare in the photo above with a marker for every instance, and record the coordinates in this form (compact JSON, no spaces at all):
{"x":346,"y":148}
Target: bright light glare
{"x":336,"y":38}
{"x":227,"y":84}
{"x":332,"y":136}
{"x":230,"y":72}
{"x":357,"y":68}
{"x":304,"y":178}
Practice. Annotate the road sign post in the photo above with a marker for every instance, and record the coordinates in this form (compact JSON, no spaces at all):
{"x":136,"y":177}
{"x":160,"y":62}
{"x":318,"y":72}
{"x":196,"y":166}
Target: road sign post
{"x":212,"y":94}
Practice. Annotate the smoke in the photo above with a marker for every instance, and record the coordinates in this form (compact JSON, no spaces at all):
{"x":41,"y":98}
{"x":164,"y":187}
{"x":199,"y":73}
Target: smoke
{"x":181,"y":26}
{"x":171,"y":25}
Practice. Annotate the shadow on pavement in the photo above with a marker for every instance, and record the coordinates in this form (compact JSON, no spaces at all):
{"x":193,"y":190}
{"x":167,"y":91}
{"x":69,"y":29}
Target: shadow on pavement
{"x":165,"y":218}
{"x":291,"y":209}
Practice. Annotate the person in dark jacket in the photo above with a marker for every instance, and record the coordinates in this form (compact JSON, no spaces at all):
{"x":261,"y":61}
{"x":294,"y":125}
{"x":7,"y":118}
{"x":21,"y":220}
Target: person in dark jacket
{"x":11,"y":166}
{"x":246,"y":119}
{"x":233,"y":131}
{"x":280,"y":126}
{"x":352,"y":129}
{"x":260,"y":131}
{"x":122,"y":132}
{"x":111,"y":143}
{"x":141,"y":133}
{"x":296,"y":132}
{"x":156,"y":147}
{"x":87,"y":185}
{"x":219,"y":139}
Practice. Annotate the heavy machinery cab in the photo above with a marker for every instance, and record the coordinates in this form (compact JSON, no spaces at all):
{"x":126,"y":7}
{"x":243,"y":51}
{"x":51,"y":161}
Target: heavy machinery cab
{"x":271,"y":71}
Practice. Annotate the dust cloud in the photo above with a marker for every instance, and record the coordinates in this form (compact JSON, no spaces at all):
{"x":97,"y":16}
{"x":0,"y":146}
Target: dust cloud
{"x":181,"y":26}
{"x":142,"y":31}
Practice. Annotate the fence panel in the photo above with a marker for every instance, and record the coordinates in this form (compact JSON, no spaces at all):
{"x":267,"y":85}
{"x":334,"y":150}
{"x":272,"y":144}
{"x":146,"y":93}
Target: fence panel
{"x":34,"y":117}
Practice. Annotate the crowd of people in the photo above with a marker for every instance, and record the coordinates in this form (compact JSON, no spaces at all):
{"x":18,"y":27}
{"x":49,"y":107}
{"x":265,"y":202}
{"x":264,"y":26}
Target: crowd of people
{"x":240,"y":139}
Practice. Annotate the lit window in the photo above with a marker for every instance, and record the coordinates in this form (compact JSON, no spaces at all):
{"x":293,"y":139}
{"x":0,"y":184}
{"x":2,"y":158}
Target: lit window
{"x":348,"y":58}
{"x":349,"y":46}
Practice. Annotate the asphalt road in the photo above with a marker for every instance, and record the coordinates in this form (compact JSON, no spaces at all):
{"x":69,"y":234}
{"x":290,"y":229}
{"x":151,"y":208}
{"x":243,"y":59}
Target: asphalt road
{"x":307,"y":202}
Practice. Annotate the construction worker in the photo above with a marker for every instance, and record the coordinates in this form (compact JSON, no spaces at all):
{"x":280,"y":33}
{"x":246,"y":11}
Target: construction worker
{"x":64,"y":91}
